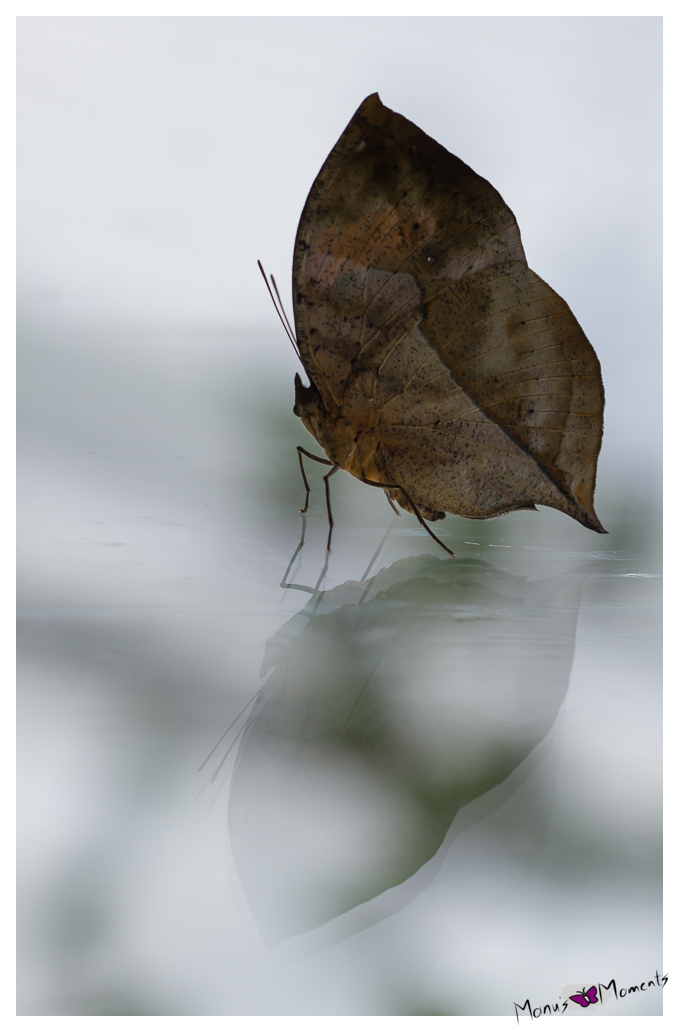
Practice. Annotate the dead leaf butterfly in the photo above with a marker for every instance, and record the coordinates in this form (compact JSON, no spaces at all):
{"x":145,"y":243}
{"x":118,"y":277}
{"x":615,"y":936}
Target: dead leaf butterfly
{"x":441,"y":368}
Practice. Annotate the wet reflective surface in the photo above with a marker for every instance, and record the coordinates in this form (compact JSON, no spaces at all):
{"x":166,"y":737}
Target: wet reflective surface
{"x":392,"y":702}
{"x":442,"y":787}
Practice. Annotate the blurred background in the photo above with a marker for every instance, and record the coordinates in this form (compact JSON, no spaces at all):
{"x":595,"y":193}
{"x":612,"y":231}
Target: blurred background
{"x":159,"y":158}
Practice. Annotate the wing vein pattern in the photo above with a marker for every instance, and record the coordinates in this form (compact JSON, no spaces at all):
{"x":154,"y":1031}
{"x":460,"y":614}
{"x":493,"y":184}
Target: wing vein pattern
{"x":443,"y":363}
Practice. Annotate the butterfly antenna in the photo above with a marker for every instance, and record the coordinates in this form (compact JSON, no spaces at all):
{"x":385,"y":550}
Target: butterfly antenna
{"x":285,"y":314}
{"x":291,"y":336}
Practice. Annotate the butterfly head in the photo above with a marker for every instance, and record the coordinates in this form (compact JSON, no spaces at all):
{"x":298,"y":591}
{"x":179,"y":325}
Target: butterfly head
{"x":309,"y":406}
{"x":307,"y":399}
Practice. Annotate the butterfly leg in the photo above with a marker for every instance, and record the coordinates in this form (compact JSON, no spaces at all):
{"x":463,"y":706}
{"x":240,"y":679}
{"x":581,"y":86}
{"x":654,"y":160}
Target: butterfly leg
{"x":392,"y":504}
{"x":326,"y":478}
{"x":374,"y":483}
{"x":424,"y":524}
{"x":326,"y":462}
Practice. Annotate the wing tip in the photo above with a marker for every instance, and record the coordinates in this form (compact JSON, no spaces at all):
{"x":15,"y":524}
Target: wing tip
{"x":590,"y":520}
{"x":371,"y":106}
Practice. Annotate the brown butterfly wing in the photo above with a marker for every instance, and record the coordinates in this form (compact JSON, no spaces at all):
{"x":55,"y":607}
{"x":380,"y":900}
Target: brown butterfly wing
{"x":420,"y":322}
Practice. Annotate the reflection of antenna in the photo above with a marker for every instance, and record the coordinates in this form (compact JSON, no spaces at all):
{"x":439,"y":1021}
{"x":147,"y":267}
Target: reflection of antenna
{"x":226,"y":754}
{"x":283,"y":318}
{"x":212,"y":751}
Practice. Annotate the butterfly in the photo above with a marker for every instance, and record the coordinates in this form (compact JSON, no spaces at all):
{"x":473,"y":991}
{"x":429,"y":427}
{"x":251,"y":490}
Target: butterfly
{"x":585,"y":998}
{"x":441,"y":368}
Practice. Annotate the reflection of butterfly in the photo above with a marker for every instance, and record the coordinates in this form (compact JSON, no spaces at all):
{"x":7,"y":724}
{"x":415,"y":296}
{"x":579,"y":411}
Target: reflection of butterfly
{"x":441,"y":367}
{"x":585,"y":998}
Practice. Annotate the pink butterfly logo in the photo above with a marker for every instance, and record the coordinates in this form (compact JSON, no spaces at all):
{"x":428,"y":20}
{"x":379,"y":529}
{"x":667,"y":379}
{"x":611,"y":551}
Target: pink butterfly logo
{"x":586,"y":997}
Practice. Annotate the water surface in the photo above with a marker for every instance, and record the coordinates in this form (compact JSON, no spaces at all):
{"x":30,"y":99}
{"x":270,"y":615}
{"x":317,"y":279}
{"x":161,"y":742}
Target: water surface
{"x":443,"y":793}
